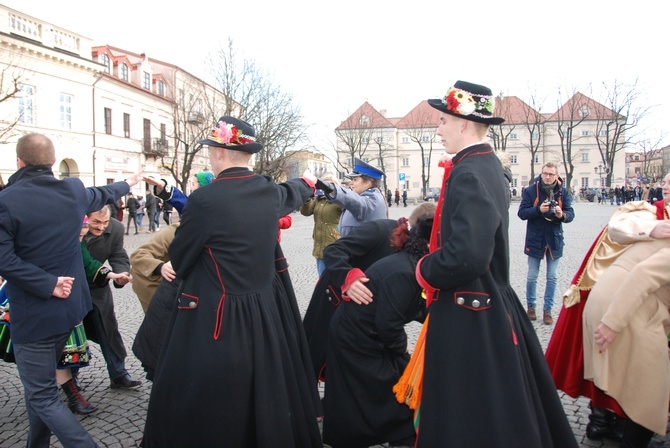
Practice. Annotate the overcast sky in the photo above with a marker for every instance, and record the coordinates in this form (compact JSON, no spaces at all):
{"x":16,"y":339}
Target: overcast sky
{"x":333,"y":56}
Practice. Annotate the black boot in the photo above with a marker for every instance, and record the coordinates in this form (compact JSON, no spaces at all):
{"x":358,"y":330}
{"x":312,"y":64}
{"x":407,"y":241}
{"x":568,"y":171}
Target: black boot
{"x":635,"y":436}
{"x":601,"y":422}
{"x":76,"y":402}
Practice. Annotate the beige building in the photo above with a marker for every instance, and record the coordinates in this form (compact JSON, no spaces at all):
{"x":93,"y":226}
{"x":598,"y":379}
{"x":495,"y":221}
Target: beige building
{"x":408,"y":150}
{"x":110,"y":112}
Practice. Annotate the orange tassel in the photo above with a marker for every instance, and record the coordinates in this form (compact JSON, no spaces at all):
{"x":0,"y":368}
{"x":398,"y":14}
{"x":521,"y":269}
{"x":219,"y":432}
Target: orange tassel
{"x":408,"y":388}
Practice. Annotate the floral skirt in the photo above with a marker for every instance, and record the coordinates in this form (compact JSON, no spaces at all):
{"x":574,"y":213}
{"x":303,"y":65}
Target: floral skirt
{"x":76,"y":352}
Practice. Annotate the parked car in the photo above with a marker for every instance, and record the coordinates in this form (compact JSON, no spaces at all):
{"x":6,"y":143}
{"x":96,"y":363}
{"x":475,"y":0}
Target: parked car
{"x":433,"y":197}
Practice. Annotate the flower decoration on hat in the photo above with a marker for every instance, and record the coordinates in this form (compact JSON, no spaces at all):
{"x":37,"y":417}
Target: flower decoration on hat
{"x":228,"y":134}
{"x":464,"y":103}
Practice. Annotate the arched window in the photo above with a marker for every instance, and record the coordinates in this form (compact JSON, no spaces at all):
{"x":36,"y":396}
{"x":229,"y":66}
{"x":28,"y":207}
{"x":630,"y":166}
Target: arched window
{"x":104,"y":60}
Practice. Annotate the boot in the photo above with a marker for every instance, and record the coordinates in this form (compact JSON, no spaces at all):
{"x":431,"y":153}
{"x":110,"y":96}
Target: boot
{"x":547,"y":319}
{"x":76,"y":402}
{"x":635,"y":436}
{"x":531,"y":313}
{"x":601,"y":422}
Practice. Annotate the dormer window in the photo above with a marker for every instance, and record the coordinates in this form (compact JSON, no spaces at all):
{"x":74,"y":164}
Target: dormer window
{"x":365,"y":120}
{"x":146,"y":80}
{"x":124,"y":71}
{"x":584,"y":111}
{"x":104,"y":60}
{"x":160,"y":87}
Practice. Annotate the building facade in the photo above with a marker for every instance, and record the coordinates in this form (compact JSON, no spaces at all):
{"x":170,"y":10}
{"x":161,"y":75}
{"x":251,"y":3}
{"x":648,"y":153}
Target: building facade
{"x":109,"y":111}
{"x":408,"y":148}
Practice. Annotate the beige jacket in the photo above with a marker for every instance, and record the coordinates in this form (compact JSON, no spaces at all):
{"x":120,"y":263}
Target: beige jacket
{"x":146,"y":259}
{"x":632,"y":297}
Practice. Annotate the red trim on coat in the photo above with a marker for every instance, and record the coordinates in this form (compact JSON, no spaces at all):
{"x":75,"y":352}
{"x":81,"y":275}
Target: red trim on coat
{"x":222,"y":299}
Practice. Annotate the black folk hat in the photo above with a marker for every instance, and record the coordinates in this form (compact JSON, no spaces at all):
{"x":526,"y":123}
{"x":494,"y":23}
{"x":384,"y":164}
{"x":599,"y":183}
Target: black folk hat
{"x":362,"y":168}
{"x":468,"y":101}
{"x":233,"y":133}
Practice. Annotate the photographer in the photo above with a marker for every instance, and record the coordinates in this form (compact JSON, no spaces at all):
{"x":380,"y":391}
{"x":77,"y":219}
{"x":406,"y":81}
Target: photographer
{"x":546,"y":205}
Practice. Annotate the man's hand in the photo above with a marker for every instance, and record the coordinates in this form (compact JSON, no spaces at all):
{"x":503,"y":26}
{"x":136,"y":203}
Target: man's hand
{"x":661,"y":230}
{"x":544,"y":207}
{"x":122,"y":278}
{"x":63,"y":287}
{"x":308,"y":175}
{"x":134,"y":179}
{"x":604,"y":336}
{"x":358,"y":292}
{"x":559,"y":212}
{"x":167,"y":272}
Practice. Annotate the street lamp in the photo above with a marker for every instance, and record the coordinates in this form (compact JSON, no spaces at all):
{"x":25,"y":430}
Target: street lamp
{"x":600,"y":170}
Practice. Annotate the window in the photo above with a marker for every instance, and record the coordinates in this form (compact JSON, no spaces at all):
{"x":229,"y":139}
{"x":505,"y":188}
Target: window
{"x":637,"y":157}
{"x":108,"y":120}
{"x":426,"y":161}
{"x":535,"y":135}
{"x":124,"y":71}
{"x":161,"y":88}
{"x":425,"y":138}
{"x":585,"y":157}
{"x":126,"y":125}
{"x":163,"y":137}
{"x":584,"y":111}
{"x":146,"y":80}
{"x":513,"y":159}
{"x":65,"y":111}
{"x":379,"y":140}
{"x":602,"y":133}
{"x":365,"y":140}
{"x":405,"y":161}
{"x":147,"y":136}
{"x":26,"y":105}
{"x":585,"y":182}
{"x":514,"y":183}
{"x":365,"y":120}
{"x":584,"y":133}
{"x":104,"y":60}
{"x":405,"y":140}
{"x":513,"y":136}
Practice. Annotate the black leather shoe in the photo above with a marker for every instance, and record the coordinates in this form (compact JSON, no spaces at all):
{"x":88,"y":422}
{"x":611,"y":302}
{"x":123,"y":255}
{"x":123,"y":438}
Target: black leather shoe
{"x":124,"y":382}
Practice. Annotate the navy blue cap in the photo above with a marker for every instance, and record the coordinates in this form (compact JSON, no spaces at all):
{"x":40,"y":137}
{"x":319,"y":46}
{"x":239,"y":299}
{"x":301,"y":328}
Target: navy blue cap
{"x":365,"y":169}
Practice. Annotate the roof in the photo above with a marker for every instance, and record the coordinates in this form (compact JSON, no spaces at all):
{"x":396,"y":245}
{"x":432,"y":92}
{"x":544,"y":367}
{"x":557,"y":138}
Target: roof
{"x":422,"y":116}
{"x":365,"y":116}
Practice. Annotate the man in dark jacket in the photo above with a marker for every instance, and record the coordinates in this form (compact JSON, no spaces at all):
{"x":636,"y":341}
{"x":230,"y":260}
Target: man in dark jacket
{"x":104,"y":241}
{"x":43,"y":265}
{"x":151,"y":208}
{"x":546,"y":205}
{"x":132,"y":205}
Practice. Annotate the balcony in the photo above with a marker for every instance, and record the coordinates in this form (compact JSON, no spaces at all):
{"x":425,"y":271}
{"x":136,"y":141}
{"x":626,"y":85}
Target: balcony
{"x":195,"y":118}
{"x":159,"y":148}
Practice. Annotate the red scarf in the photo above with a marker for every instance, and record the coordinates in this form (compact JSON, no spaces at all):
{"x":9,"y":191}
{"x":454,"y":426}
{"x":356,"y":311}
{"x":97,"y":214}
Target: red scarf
{"x":435,"y":234}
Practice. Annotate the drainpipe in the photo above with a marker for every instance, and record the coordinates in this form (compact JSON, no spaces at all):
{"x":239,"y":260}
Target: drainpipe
{"x":98,"y":77}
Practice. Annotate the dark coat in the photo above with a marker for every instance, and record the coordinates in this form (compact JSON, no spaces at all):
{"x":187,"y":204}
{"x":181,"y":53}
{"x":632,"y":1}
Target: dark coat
{"x":360,"y":249}
{"x":367,"y":354}
{"x":40,"y":222}
{"x":151,"y":205}
{"x":486,"y":382}
{"x":544,"y":231}
{"x":107,"y":247}
{"x":235,"y":365}
{"x":132,"y":205}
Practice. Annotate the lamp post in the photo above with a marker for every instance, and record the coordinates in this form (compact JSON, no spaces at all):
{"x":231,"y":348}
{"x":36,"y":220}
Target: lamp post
{"x":600,"y":170}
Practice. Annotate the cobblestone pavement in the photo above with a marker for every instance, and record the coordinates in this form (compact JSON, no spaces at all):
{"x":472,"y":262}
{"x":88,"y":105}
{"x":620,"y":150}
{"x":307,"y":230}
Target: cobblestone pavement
{"x":120,"y":417}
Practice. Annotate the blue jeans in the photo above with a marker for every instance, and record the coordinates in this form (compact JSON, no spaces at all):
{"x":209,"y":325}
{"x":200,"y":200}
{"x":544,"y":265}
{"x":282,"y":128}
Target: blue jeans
{"x":531,"y":281}
{"x":36,"y":362}
{"x":138,"y":219}
{"x":320,"y":266}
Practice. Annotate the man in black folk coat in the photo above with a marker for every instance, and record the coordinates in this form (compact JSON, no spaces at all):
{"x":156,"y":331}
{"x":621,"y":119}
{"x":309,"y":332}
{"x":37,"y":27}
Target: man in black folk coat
{"x":234,"y":367}
{"x":104,"y":241}
{"x":485,"y":379}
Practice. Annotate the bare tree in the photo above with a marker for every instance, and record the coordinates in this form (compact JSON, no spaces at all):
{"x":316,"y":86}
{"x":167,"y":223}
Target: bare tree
{"x":649,"y":149}
{"x":570,"y":115}
{"x":419,"y":125}
{"x":533,"y":121}
{"x":11,"y":87}
{"x":383,"y":151}
{"x":251,"y":93}
{"x":356,"y":133}
{"x":617,"y":121}
{"x":196,"y":108}
{"x":500,"y":133}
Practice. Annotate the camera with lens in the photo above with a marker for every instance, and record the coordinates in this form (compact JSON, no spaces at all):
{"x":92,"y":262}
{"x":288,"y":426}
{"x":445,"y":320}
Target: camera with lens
{"x":552,"y":206}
